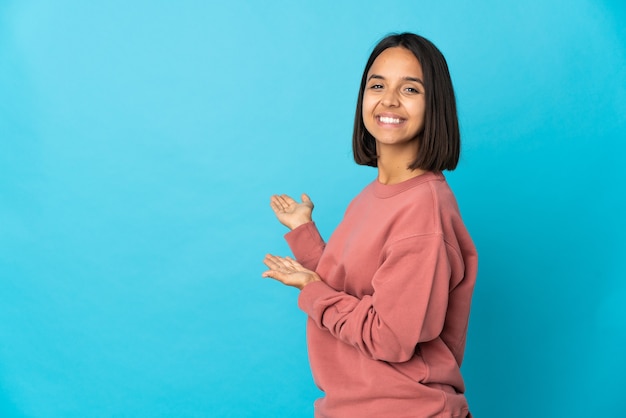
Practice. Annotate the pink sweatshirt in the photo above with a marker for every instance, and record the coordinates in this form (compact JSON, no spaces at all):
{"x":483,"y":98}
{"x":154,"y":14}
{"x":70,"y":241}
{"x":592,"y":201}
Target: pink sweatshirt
{"x":387,"y":325}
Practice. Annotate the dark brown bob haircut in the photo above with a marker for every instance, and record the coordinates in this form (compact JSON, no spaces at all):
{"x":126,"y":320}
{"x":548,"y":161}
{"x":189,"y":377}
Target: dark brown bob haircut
{"x":440,"y":140}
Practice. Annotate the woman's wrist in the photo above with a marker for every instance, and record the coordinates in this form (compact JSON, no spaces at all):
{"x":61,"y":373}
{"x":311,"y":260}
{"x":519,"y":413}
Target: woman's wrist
{"x":312,"y":278}
{"x":300,"y":222}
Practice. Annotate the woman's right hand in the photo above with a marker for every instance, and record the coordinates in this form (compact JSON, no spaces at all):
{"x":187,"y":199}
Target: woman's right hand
{"x":291,"y":213}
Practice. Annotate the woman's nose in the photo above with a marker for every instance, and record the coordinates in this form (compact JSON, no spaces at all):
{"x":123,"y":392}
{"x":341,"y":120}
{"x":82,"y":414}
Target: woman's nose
{"x":390,"y":98}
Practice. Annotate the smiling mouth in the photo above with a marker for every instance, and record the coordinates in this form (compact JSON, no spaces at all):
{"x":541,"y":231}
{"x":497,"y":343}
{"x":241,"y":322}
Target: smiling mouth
{"x":390,"y":120}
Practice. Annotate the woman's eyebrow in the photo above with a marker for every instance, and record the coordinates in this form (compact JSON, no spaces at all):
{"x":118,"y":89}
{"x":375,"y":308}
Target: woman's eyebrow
{"x":380,"y":77}
{"x":375,"y":76}
{"x":417,"y":80}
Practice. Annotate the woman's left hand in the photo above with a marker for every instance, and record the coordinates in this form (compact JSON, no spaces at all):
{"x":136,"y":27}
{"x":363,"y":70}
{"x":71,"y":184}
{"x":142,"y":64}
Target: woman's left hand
{"x":288,"y":271}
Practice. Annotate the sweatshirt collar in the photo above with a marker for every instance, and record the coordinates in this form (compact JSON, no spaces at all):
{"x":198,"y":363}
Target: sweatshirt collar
{"x":384,"y":191}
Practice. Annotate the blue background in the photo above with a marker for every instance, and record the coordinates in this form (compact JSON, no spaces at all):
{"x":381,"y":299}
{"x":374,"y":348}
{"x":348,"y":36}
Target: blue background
{"x":139,"y":144}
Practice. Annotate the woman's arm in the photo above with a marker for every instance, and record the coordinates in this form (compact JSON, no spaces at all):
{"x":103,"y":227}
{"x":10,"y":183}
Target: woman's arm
{"x":408,"y":306}
{"x":307,"y":245}
{"x":304,"y":239}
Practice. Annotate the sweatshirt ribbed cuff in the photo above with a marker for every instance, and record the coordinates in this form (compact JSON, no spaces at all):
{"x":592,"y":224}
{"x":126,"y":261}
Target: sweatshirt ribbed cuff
{"x":305,"y":241}
{"x":310,"y":294}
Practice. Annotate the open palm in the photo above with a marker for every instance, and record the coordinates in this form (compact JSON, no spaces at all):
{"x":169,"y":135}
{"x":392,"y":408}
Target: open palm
{"x":291,"y":213}
{"x":288,"y":271}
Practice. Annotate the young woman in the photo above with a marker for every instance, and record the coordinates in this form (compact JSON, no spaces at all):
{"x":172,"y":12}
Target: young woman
{"x":388,"y":297}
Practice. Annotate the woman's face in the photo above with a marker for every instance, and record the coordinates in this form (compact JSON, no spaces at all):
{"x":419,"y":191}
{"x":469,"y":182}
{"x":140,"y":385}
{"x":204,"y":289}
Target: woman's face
{"x":394,"y":100}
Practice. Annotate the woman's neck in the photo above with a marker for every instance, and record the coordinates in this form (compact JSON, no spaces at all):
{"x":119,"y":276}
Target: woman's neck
{"x":393,"y":164}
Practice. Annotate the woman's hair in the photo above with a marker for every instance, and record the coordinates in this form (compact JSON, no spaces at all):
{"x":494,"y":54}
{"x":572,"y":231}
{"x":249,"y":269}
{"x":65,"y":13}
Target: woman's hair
{"x":439,"y":141}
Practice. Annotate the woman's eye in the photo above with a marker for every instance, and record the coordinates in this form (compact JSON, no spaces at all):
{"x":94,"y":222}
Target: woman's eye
{"x":412,"y":90}
{"x":376,"y":86}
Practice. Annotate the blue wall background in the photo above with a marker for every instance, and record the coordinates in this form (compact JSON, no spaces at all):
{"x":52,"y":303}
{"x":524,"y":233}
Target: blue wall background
{"x":139,"y":144}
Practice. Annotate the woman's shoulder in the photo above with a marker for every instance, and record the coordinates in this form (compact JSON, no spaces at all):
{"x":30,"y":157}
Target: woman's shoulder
{"x":433,"y":193}
{"x":427,"y":208}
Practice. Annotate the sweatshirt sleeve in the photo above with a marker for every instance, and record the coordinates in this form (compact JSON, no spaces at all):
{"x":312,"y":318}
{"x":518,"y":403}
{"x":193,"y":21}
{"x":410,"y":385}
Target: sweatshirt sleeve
{"x":307,"y":244}
{"x":408,"y":305}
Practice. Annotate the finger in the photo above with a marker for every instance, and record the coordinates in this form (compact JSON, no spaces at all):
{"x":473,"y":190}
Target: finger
{"x":288,"y":265}
{"x":270,"y":274}
{"x":271,"y":262}
{"x":288,"y":200}
{"x":276,"y":275}
{"x":307,"y":200}
{"x":277,"y":263}
{"x":283,"y":278}
{"x":293,"y":263}
{"x":275,"y":203}
{"x":284,"y":264}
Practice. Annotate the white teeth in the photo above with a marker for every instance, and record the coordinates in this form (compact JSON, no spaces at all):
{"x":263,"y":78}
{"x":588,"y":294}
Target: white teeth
{"x":385,"y":119}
